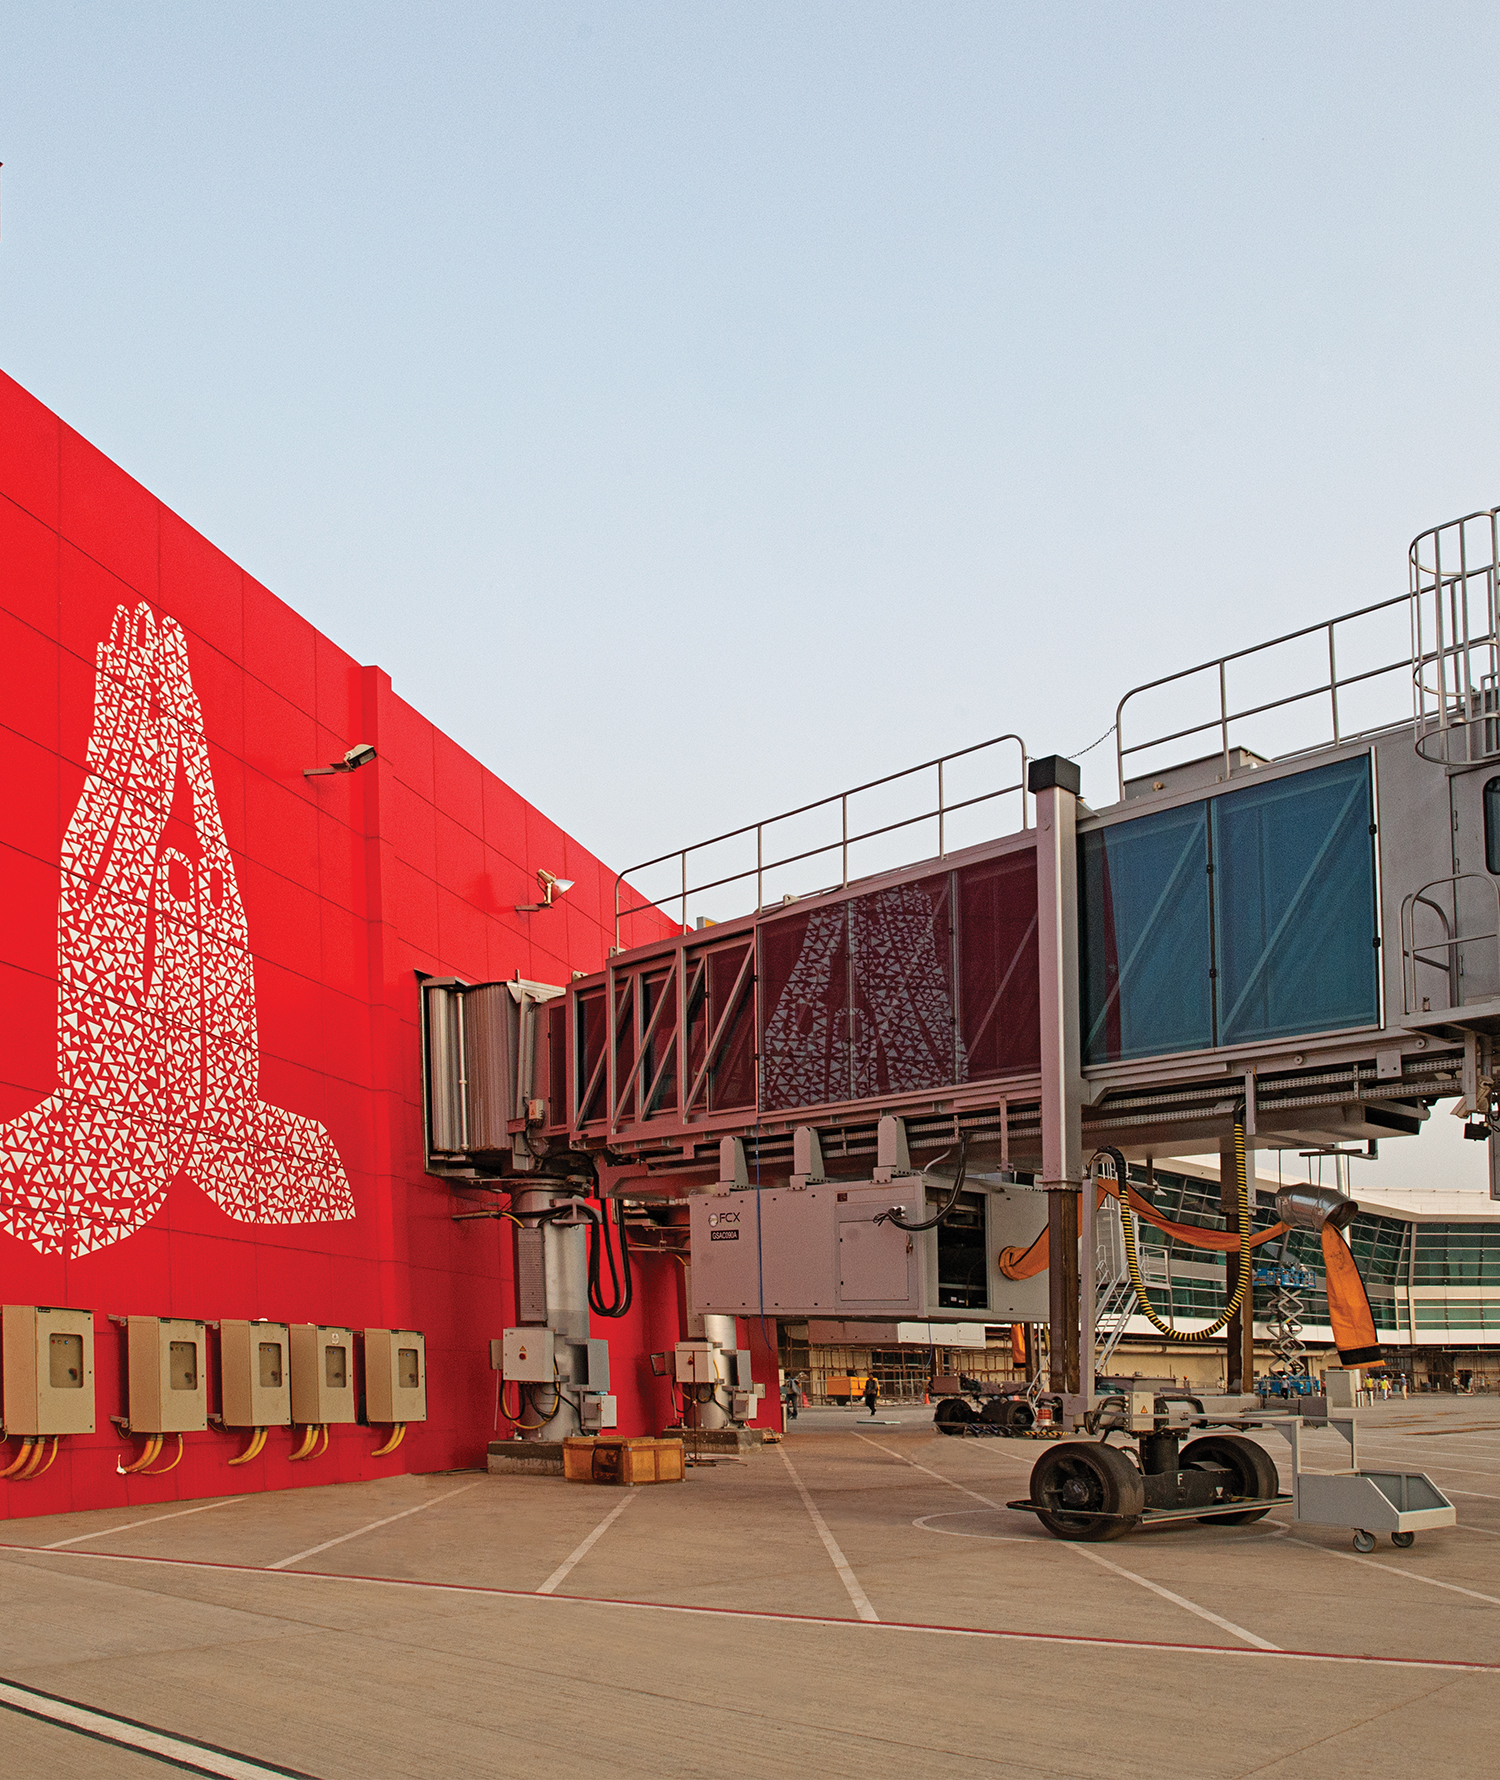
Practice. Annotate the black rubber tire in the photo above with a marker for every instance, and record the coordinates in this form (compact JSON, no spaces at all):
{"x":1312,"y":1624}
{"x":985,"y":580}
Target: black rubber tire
{"x":1022,"y":1418}
{"x":953,"y":1415}
{"x":1076,"y":1475}
{"x":1403,"y":1541}
{"x":1251,"y":1468}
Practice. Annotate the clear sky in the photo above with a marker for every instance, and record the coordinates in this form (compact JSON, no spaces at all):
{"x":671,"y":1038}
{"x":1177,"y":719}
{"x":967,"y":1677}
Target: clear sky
{"x":698,"y":408}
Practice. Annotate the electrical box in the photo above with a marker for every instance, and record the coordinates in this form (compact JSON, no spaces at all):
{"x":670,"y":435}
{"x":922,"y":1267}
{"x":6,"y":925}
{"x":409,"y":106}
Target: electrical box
{"x":526,"y":1356}
{"x":49,"y":1370}
{"x":599,"y":1413}
{"x":698,"y":1362}
{"x":322,"y":1375}
{"x":254,"y":1374}
{"x":168,"y":1369}
{"x":395,"y":1376}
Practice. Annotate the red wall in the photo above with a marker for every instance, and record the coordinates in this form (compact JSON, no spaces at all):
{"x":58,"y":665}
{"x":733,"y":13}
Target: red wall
{"x":348,"y":885}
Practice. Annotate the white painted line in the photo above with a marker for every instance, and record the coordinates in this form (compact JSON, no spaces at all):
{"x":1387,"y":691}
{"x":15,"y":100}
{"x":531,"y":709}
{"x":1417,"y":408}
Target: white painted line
{"x":954,"y":1533}
{"x":1001,"y":1634}
{"x":1370,"y":1563}
{"x":962,"y":1488}
{"x":1224,"y":1625}
{"x":560,"y":1574}
{"x":1469,"y":1527}
{"x":182,"y":1752}
{"x":130,"y":1525}
{"x":840,"y":1563}
{"x":359,"y":1532}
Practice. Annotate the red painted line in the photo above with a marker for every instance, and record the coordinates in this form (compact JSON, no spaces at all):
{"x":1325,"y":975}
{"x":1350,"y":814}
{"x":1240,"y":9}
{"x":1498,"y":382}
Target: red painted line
{"x":872,"y":1628}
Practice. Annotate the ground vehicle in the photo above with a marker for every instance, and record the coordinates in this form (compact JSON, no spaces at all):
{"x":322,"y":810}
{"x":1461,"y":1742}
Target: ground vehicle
{"x":976,"y":1406}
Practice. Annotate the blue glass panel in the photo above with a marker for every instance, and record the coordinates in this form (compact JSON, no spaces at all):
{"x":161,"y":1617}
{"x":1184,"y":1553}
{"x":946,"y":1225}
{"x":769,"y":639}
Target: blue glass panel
{"x":1294,"y":905}
{"x":1144,"y":946}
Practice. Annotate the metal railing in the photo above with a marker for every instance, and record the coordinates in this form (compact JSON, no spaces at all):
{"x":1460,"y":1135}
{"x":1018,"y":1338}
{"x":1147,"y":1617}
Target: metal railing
{"x":1453,"y":658}
{"x":940,"y":812}
{"x":1328,"y":688}
{"x":1455,"y":640}
{"x":1445,"y":955}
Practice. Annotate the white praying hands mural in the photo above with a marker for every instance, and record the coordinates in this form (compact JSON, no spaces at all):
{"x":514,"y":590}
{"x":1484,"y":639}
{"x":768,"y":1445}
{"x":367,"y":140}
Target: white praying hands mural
{"x":158,"y":1055}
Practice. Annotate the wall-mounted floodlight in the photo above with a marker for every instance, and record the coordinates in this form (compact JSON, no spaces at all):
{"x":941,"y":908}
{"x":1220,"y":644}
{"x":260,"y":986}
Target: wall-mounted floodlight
{"x":551,"y":887}
{"x":361,"y":754}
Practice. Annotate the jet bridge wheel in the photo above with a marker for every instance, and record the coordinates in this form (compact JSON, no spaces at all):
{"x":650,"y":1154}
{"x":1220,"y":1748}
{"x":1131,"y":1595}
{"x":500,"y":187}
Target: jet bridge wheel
{"x":1077,"y":1476}
{"x":953,"y":1415}
{"x":1252,"y":1471}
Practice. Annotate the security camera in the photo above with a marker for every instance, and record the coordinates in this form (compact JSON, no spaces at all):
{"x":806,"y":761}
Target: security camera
{"x":361,"y":754}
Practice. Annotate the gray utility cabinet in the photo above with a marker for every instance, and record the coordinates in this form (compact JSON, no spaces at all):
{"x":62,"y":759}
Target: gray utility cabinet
{"x":818,"y":1250}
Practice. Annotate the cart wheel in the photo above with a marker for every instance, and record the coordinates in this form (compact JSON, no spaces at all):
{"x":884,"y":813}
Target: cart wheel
{"x":1252,"y":1472}
{"x":1075,"y":1476}
{"x":953,"y":1415}
{"x":1403,"y":1540}
{"x":1364,"y":1541}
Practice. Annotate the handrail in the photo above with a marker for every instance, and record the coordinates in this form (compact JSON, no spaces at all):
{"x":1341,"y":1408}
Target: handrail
{"x":1452,"y":638}
{"x":1329,"y":687}
{"x":1413,"y":955}
{"x":939,"y":812}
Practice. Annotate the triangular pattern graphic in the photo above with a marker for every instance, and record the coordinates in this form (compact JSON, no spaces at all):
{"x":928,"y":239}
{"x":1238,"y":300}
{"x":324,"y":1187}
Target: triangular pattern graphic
{"x":158,"y":1057}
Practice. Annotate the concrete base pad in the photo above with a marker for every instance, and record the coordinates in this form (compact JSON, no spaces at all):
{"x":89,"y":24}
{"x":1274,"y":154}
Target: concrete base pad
{"x":715,"y":1440}
{"x":525,"y":1458}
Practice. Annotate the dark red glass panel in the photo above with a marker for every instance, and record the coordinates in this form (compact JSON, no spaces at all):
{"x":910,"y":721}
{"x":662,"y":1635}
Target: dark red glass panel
{"x":590,"y":1019}
{"x":999,"y":1011}
{"x":660,"y":1050}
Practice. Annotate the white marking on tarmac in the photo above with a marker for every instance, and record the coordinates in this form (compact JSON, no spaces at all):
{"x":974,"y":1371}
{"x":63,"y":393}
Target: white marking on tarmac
{"x":560,"y":1574}
{"x":130,"y":1525}
{"x":840,"y":1563}
{"x":1001,"y":1634}
{"x":1224,"y":1625}
{"x":182,"y":1752}
{"x":359,"y":1532}
{"x":1395,"y":1570}
{"x":954,"y":1533}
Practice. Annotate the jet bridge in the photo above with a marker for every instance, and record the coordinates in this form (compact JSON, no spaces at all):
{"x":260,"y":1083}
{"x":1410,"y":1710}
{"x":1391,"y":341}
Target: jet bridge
{"x":1291,"y":914}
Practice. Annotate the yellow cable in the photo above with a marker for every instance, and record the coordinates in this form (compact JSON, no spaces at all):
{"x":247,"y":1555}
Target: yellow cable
{"x":1242,"y":1205}
{"x":51,"y":1458}
{"x":309,"y":1441}
{"x":148,"y":1456}
{"x":20,"y":1459}
{"x":257,"y":1440}
{"x":324,"y":1447}
{"x":174,"y":1464}
{"x":36,"y":1458}
{"x":398,"y":1433}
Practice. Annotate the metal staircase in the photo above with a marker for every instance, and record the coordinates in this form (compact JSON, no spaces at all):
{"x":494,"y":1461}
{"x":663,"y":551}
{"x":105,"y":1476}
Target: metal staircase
{"x":1114,"y":1296}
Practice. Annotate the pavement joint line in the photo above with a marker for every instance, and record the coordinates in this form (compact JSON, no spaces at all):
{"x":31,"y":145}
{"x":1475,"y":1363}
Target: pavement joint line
{"x":576,"y":1556}
{"x":1369,"y":1563}
{"x":1167,"y":1594}
{"x":1002,"y":1634}
{"x":131,"y":1525}
{"x":344,"y":1538}
{"x":187,"y":1754}
{"x":831,"y":1545}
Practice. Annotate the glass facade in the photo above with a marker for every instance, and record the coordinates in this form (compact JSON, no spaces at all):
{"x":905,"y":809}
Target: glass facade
{"x":1250,"y":915}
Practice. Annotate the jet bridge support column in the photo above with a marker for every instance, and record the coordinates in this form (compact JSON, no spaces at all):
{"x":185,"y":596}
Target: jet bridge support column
{"x":1055,"y":782}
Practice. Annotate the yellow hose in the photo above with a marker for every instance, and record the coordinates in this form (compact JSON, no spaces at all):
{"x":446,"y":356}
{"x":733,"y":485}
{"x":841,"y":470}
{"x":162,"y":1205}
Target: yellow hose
{"x":252,"y":1451}
{"x":309,"y":1441}
{"x":1242,"y":1286}
{"x":51,"y":1460}
{"x":13,"y":1468}
{"x":324,"y":1447}
{"x":398,"y":1434}
{"x":148,"y":1457}
{"x":166,"y":1468}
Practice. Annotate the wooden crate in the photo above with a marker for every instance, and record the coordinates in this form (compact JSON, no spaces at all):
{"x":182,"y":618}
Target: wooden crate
{"x":610,"y":1459}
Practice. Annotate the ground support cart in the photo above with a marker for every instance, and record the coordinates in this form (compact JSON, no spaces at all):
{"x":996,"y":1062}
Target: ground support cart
{"x":1086,"y":1489}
